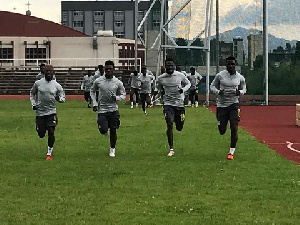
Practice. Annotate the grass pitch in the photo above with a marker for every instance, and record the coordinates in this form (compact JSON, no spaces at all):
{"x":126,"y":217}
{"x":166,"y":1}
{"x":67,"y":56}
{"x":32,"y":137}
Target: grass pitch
{"x":141,"y":185}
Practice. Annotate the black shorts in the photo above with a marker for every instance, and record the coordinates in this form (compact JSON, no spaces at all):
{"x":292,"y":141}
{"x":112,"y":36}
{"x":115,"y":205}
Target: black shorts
{"x":230,"y":113}
{"x":134,"y":90}
{"x":44,"y":122}
{"x":87,"y":95}
{"x":108,"y":120}
{"x":174,"y":114}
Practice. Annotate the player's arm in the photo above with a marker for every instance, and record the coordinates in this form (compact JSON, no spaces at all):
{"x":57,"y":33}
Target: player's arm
{"x":121,"y":91}
{"x":83,"y":84}
{"x":187,"y":84}
{"x":242,"y":87}
{"x":129,"y":80}
{"x":60,"y":94}
{"x":33,"y":94}
{"x":160,"y":87}
{"x":215,"y":85}
{"x":93,"y":90}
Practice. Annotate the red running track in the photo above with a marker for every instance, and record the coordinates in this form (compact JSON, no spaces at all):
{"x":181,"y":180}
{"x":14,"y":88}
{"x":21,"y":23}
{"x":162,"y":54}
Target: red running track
{"x":274,"y":126}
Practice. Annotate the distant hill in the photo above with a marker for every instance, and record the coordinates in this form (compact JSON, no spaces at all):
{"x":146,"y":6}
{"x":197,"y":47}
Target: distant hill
{"x":274,"y":42}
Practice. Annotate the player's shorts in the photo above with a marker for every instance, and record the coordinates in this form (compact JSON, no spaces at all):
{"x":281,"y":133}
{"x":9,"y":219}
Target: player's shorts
{"x":108,"y":120}
{"x":134,"y":90}
{"x":230,"y":113}
{"x":87,"y":95}
{"x":44,"y":122}
{"x":174,"y":114}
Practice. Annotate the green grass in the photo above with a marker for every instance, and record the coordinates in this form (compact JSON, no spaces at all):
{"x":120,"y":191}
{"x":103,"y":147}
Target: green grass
{"x":83,"y":185}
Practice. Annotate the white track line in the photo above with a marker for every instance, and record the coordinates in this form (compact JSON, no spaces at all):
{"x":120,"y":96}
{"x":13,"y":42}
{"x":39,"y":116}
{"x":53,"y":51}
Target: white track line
{"x":289,"y":145}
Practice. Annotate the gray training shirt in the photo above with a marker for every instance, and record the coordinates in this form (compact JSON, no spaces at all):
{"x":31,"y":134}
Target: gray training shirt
{"x":134,"y":81}
{"x":87,"y":83}
{"x":146,"y":83}
{"x":171,"y":84}
{"x":194,"y":79}
{"x":42,"y":95}
{"x":228,"y":83}
{"x":107,"y":88}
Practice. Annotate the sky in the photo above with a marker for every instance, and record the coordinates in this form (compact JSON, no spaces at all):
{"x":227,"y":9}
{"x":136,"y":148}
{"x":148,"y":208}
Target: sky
{"x":287,"y":25}
{"x":42,"y":8}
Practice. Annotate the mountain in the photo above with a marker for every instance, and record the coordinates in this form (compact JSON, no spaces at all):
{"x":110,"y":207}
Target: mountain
{"x":274,"y":42}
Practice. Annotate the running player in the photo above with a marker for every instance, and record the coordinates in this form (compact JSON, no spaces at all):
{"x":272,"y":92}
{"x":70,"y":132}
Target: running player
{"x":98,"y":73}
{"x":172,"y":86}
{"x":146,"y":80}
{"x":135,"y":84}
{"x":43,"y":94}
{"x":228,"y":85}
{"x":42,"y":72}
{"x":111,"y":90}
{"x":86,"y":87}
{"x":195,"y":79}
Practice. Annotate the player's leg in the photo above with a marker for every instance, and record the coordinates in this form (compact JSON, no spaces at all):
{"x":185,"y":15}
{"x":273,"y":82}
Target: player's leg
{"x":190,"y":98}
{"x":193,"y":97}
{"x":113,"y":124}
{"x":51,"y":122}
{"x":131,"y":97}
{"x":169,"y":113}
{"x":40,"y":126}
{"x":137,"y":97}
{"x":86,"y":96}
{"x":89,"y":100}
{"x":222,"y":117}
{"x":234,"y":118}
{"x":143,"y":101}
{"x":148,"y":99}
{"x":102,"y":123}
{"x":179,"y":118}
{"x":196,"y":98}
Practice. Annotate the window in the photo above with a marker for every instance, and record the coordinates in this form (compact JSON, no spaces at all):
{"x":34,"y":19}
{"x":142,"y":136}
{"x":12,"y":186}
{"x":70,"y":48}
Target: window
{"x":119,"y":34}
{"x":141,"y":13}
{"x":156,"y":23}
{"x":78,"y":24}
{"x":119,"y":23}
{"x":99,"y":24}
{"x":78,"y":13}
{"x":156,"y":12}
{"x":99,"y":13}
{"x":64,"y":16}
{"x":35,"y":53}
{"x":119,"y":13}
{"x":6,"y":53}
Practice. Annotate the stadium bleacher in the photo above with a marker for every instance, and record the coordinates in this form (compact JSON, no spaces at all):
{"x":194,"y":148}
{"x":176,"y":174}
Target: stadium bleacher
{"x":20,"y":81}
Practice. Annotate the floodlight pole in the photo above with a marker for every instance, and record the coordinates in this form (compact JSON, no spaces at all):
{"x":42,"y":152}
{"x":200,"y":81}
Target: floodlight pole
{"x":217,"y":38}
{"x":266,"y":49}
{"x":136,"y":9}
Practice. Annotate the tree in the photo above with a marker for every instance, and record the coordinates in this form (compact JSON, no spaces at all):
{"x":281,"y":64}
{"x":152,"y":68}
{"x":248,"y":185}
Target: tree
{"x":181,"y":56}
{"x":259,"y":62}
{"x":297,"y":51}
{"x":288,"y":47}
{"x":279,"y":50}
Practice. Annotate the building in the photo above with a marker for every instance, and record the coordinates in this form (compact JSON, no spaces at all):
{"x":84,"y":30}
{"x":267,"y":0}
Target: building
{"x":27,"y":40}
{"x":119,"y":16}
{"x":255,"y":47}
{"x":238,"y":50}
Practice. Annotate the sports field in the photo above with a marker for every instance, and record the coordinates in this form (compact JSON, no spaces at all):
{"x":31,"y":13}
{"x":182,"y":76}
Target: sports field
{"x":141,"y":185}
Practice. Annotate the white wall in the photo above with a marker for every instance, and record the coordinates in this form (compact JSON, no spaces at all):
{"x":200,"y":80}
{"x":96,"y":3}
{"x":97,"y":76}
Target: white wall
{"x":79,"y":48}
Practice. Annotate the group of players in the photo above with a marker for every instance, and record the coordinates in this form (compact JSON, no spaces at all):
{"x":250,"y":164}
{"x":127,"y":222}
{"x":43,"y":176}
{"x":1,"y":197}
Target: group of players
{"x":106,"y":90}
